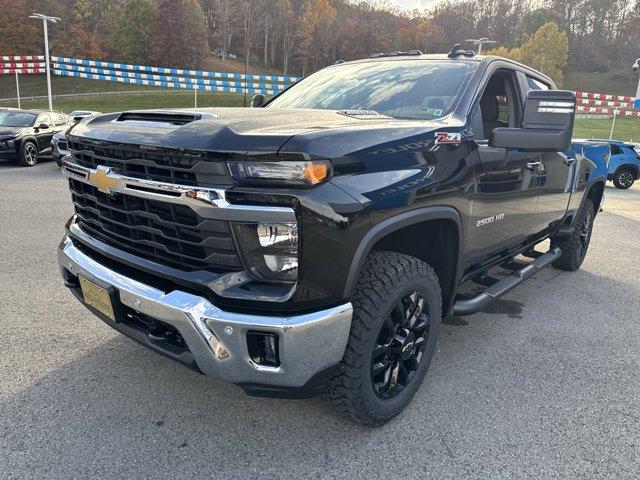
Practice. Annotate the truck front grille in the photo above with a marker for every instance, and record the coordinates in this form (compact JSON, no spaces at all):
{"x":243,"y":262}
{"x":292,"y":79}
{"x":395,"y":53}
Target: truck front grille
{"x":164,"y":232}
{"x":166,"y":165}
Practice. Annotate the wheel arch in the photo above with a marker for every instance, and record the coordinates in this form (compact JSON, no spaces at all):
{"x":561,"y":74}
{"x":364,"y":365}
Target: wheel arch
{"x":630,"y":166}
{"x":595,"y":193}
{"x":443,"y":256}
{"x":28,"y":139}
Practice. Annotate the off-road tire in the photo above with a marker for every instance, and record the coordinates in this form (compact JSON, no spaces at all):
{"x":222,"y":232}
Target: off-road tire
{"x":385,"y":278}
{"x":574,"y":247}
{"x":28,"y":156}
{"x":624,"y":178}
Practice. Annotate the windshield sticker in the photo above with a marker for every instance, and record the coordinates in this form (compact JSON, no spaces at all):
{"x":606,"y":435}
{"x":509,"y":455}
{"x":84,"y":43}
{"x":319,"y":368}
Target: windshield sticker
{"x":436,"y":112}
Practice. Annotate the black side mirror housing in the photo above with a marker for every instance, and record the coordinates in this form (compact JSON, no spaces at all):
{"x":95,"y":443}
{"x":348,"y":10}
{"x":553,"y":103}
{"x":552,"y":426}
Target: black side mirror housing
{"x":258,"y":100}
{"x":42,"y":126}
{"x":547,"y":124}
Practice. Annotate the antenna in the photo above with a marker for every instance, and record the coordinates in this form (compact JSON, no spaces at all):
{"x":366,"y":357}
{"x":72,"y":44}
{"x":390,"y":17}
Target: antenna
{"x":480,"y":42}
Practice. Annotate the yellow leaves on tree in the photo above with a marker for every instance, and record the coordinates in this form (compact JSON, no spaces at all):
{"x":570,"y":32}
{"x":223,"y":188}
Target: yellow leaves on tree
{"x":317,"y":39}
{"x":547,"y":51}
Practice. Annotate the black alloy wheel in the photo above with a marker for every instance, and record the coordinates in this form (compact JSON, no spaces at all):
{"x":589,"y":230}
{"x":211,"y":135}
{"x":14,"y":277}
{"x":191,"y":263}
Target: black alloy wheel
{"x":400,"y":346}
{"x":28,"y":154}
{"x":584,"y":235}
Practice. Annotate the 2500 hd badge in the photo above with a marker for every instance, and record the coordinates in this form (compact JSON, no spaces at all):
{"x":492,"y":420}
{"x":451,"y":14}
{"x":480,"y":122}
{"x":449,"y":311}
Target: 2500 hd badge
{"x":306,"y":246}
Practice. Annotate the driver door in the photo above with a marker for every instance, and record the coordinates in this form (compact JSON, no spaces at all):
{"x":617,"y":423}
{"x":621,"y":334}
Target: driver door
{"x":506,"y":180}
{"x":44,"y":135}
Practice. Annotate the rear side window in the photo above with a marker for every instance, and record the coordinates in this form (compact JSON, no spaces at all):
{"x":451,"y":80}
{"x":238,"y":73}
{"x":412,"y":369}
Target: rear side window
{"x":535,"y":84}
{"x":615,"y":150}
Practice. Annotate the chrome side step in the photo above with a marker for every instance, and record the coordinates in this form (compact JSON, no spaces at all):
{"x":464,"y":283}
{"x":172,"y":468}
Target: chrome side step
{"x":481,"y":301}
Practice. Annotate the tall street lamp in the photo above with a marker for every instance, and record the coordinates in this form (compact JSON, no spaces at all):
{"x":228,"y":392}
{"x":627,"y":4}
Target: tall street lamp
{"x":636,"y":67}
{"x":45,"y":19}
{"x":480,"y":41}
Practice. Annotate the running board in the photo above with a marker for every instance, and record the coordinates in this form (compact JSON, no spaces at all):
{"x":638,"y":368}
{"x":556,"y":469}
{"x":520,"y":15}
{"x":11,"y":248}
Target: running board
{"x":479,"y":302}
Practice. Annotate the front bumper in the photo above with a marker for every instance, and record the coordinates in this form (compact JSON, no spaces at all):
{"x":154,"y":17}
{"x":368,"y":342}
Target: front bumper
{"x":216,"y":339}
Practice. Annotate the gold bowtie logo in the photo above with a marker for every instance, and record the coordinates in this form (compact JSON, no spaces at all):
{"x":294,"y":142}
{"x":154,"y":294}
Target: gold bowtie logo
{"x":102,"y":181}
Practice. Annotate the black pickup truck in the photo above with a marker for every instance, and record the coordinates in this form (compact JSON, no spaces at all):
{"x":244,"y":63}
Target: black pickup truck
{"x":314,"y":243}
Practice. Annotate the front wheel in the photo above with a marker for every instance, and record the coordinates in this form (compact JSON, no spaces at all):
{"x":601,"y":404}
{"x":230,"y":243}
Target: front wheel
{"x":28,"y":154}
{"x":624,"y":178}
{"x":396,"y":320}
{"x":574,"y":247}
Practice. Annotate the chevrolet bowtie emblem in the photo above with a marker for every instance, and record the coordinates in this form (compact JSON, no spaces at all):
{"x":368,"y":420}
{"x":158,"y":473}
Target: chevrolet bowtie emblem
{"x":102,"y":180}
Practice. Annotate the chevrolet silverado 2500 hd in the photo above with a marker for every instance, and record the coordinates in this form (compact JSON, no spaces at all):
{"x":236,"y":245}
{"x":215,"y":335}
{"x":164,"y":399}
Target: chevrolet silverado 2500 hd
{"x":313,"y":244}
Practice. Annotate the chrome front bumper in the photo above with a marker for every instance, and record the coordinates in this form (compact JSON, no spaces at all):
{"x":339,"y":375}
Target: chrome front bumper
{"x":216,"y":338}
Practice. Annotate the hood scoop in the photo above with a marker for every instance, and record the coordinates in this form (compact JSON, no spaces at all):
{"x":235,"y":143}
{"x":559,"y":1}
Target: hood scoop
{"x":168,"y":119}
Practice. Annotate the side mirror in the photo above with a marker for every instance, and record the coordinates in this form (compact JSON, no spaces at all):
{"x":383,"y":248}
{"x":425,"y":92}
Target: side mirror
{"x":257,"y":101}
{"x":42,"y":126}
{"x":547,"y":124}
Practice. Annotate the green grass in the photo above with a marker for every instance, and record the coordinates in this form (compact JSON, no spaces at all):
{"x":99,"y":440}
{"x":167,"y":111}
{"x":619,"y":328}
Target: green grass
{"x":36,"y":85}
{"x":626,"y":129}
{"x":611,"y":83}
{"x":116,"y":103}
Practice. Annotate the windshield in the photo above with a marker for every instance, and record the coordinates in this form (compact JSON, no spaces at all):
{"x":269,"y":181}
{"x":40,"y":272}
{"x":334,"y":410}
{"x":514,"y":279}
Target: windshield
{"x":417,"y":89}
{"x":16,"y":119}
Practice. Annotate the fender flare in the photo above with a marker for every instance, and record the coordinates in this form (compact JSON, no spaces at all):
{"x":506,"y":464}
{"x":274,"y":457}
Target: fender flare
{"x":395,"y":223}
{"x":25,"y":139}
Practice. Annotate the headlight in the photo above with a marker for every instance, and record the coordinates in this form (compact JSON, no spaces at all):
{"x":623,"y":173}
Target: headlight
{"x":10,"y":142}
{"x":269,"y":251}
{"x":305,"y":173}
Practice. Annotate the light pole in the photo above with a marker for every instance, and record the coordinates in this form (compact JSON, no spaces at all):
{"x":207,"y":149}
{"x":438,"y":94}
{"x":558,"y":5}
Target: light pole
{"x":45,"y":19}
{"x":481,"y":41}
{"x":636,"y":67}
{"x":613,"y":125}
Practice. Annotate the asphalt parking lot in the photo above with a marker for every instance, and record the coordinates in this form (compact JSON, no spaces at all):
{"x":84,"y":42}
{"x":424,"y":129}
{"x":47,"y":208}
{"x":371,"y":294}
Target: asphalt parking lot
{"x":547,"y":385}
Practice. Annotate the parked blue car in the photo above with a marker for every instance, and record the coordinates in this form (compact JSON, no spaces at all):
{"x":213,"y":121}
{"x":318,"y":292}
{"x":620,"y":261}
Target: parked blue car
{"x":624,"y":165}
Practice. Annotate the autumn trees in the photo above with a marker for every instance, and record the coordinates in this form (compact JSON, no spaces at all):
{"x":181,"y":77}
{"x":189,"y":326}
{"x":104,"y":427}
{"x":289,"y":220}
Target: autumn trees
{"x":299,"y":36}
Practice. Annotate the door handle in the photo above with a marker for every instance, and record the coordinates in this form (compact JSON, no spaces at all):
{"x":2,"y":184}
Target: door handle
{"x":533,"y":165}
{"x":569,"y":161}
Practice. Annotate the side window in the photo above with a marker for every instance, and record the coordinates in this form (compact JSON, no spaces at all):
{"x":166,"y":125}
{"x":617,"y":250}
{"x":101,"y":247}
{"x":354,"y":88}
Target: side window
{"x":44,"y":118}
{"x":615,"y":150}
{"x":535,"y":84}
{"x":499,"y":104}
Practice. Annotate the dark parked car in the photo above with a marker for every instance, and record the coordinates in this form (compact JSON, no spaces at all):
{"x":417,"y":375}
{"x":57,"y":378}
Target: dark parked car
{"x":25,"y":135}
{"x":315,"y":243}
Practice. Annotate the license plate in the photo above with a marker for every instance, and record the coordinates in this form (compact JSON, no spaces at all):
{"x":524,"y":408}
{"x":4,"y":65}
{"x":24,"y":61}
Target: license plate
{"x":97,"y":297}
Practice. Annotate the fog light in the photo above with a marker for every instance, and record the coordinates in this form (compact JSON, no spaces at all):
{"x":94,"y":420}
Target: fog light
{"x":277,"y":234}
{"x":263,"y":348}
{"x":269,"y":251}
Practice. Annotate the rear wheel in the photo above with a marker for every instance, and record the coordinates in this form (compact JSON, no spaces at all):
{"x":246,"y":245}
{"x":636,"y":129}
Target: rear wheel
{"x":28,"y":154}
{"x":396,"y":319}
{"x":624,"y":178}
{"x":574,"y":247}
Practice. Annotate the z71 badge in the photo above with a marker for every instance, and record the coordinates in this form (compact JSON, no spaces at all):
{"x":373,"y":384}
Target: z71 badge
{"x":448,"y":138}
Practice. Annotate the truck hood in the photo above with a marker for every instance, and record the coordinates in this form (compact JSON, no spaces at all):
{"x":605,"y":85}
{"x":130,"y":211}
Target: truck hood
{"x":326,"y":133}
